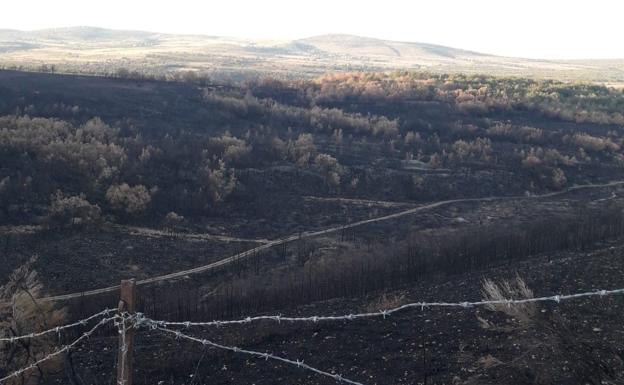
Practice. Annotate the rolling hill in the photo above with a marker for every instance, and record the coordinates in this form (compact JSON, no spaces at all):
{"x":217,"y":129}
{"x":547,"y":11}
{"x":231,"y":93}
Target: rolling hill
{"x":98,"y":50}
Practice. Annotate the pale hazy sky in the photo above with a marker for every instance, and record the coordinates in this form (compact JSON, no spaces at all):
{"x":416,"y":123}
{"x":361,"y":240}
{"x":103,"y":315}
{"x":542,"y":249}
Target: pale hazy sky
{"x":527,"y":28}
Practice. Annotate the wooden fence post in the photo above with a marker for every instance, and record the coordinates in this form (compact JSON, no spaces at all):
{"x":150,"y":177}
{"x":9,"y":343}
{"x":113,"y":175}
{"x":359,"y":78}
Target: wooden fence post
{"x":126,"y":338}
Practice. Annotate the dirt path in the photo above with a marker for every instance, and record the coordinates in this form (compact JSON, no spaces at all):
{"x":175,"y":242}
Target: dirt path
{"x":361,"y":202}
{"x":154,"y":233}
{"x":19,"y":230}
{"x":312,"y":234}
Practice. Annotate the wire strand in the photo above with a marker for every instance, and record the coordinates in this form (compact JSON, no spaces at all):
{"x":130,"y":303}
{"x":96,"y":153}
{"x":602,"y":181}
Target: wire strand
{"x":58,"y":351}
{"x":57,"y":329}
{"x":266,"y":356}
{"x":388,"y":312}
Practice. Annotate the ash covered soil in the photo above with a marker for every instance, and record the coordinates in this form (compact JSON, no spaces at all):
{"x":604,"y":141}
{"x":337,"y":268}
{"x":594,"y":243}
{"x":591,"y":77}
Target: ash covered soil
{"x":574,"y":342}
{"x":72,"y":261}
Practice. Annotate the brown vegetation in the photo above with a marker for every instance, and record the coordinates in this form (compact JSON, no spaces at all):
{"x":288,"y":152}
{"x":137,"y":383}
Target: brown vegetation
{"x":21,"y":315}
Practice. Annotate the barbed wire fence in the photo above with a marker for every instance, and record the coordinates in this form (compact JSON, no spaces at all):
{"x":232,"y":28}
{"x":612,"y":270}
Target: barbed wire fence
{"x":57,"y":329}
{"x":382,"y":313}
{"x":57,"y":352}
{"x":127,"y":322}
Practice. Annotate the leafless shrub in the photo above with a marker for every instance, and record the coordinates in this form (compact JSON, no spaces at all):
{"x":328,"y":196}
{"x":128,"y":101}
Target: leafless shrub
{"x":478,"y":149}
{"x":132,"y":200}
{"x":523,"y":134}
{"x":172,"y":221}
{"x":230,"y":148}
{"x":218,"y":181}
{"x":592,"y":143}
{"x":69,"y":211}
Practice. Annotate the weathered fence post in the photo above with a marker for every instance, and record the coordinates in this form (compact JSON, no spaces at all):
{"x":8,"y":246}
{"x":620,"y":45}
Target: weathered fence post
{"x":126,"y":336}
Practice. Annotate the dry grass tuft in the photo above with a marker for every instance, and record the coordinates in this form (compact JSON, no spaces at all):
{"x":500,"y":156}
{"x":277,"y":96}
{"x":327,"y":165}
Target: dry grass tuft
{"x":24,"y":315}
{"x":523,"y":313}
{"x":489,"y":361}
{"x":386,"y":301}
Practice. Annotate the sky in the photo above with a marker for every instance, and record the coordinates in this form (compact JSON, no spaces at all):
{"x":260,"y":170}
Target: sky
{"x":548,"y":29}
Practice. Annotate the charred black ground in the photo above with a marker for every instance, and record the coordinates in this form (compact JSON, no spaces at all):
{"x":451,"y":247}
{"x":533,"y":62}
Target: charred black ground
{"x":108,"y":178}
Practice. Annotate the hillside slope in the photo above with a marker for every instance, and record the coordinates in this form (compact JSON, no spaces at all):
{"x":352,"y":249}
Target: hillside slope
{"x":98,"y":50}
{"x":568,"y":343}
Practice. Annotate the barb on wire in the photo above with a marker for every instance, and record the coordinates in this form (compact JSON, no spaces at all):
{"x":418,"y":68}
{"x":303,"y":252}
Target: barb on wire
{"x":58,"y":328}
{"x":57,"y":352}
{"x":266,"y":356}
{"x":387,"y":312}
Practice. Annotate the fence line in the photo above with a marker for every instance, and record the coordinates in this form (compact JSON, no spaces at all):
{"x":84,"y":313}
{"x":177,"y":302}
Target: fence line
{"x":125,"y":320}
{"x":57,"y":329}
{"x":311,"y":234}
{"x":266,"y":356}
{"x":382,"y":313}
{"x":58,"y":351}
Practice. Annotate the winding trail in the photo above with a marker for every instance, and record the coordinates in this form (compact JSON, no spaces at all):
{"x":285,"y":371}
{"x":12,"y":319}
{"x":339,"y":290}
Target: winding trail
{"x":155,"y":233}
{"x":312,"y":234}
{"x":360,"y":202}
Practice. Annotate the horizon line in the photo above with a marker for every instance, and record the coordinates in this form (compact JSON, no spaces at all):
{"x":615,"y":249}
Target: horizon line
{"x":285,"y":39}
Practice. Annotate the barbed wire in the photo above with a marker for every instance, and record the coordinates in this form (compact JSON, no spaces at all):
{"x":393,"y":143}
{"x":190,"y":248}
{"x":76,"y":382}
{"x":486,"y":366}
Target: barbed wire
{"x":386,"y":312}
{"x":57,"y":329}
{"x":59,"y":351}
{"x":266,"y":356}
{"x":138,"y":320}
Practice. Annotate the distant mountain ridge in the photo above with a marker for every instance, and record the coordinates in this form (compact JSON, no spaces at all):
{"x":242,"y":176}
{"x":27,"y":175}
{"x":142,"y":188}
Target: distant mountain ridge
{"x":101,"y":50}
{"x":327,"y":42}
{"x":367,"y":46}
